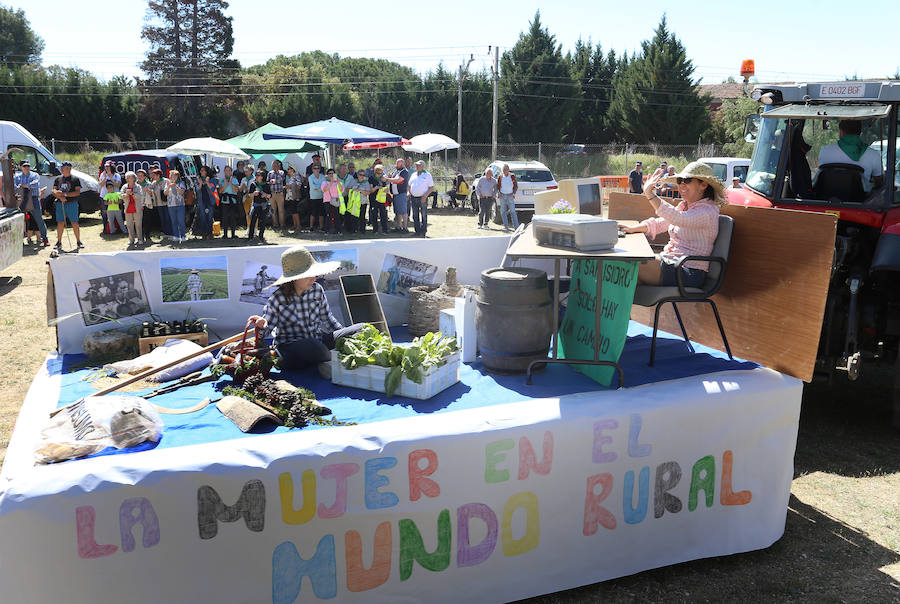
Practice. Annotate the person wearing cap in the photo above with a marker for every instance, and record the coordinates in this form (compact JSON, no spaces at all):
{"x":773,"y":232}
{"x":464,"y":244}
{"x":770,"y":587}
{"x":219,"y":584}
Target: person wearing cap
{"x":29,"y":185}
{"x":316,"y":161}
{"x":636,"y":178}
{"x":692,"y":225}
{"x":297,"y":313}
{"x":736,"y":183}
{"x":399,"y":182}
{"x":66,"y":190}
{"x":194,"y":285}
{"x":421,"y":185}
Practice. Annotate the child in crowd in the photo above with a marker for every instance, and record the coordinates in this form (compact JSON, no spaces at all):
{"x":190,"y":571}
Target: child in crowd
{"x":259,"y":211}
{"x":112,"y":204}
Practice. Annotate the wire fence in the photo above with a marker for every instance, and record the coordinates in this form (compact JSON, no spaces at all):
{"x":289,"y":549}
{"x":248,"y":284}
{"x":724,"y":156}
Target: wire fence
{"x":564,"y":161}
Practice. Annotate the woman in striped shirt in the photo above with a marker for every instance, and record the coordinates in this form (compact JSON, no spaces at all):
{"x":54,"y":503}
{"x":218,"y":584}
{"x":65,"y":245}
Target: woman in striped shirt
{"x":692,"y":225}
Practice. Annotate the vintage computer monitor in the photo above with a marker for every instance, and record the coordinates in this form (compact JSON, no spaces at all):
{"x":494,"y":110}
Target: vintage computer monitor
{"x":585,"y":195}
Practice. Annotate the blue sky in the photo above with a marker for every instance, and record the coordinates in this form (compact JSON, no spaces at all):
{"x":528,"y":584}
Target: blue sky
{"x":197,"y":262}
{"x":796,"y":40}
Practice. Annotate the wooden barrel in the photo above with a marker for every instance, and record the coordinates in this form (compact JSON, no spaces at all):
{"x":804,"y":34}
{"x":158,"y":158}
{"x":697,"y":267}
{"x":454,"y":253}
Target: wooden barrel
{"x":513,"y":318}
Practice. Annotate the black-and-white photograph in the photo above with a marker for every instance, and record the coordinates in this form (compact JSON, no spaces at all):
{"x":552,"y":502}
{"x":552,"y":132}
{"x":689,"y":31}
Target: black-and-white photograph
{"x":113,"y":297}
{"x":257,"y":278}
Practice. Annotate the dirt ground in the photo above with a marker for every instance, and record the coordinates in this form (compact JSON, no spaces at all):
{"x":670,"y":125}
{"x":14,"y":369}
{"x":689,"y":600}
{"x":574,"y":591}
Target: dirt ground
{"x":842,"y":538}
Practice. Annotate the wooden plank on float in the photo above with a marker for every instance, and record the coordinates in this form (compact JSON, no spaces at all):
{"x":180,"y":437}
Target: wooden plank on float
{"x":773,"y":299}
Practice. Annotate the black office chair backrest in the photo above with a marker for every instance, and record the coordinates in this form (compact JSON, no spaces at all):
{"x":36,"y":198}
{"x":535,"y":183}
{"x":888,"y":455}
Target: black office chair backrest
{"x":840,"y":182}
{"x":721,"y":249}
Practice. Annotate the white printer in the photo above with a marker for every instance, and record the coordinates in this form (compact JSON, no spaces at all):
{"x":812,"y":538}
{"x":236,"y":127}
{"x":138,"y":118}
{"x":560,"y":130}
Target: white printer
{"x":581,"y":232}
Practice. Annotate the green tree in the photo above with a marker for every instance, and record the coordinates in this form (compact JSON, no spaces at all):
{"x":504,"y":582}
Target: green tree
{"x":728,"y":126}
{"x":18,"y":42}
{"x":656,"y":98}
{"x":538,"y":96}
{"x":594,"y":73}
{"x":188,"y":65}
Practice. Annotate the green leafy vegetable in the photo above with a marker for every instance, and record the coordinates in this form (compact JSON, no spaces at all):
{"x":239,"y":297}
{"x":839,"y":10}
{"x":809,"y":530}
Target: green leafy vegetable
{"x":371,"y":347}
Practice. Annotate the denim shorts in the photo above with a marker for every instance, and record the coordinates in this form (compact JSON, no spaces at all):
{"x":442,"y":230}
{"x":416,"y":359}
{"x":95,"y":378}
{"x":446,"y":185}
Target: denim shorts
{"x":66,"y":210}
{"x":690,"y":277}
{"x":401,"y":205}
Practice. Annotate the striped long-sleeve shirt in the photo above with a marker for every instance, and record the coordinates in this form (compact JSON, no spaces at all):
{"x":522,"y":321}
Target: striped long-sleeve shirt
{"x":692,"y":230}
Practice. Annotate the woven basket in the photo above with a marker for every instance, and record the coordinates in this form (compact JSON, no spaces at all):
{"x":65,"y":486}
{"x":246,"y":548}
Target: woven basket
{"x":427,"y":301}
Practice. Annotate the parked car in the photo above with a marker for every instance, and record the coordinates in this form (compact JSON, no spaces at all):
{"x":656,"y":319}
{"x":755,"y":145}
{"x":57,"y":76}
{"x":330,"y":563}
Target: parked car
{"x":726,"y":168}
{"x":572,"y":150}
{"x":46,"y":166}
{"x":532,"y":176}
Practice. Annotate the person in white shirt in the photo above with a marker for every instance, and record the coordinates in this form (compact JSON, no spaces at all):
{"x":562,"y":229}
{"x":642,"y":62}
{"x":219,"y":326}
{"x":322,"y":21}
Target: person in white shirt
{"x":421,"y":185}
{"x":850,"y":149}
{"x":507,"y":203}
{"x":194,"y":285}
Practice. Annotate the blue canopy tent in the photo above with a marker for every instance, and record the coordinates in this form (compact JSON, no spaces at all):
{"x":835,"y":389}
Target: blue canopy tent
{"x":333,"y":131}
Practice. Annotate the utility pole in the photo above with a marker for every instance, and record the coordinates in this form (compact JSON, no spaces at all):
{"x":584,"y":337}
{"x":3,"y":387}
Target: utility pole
{"x":496,"y":74}
{"x":462,"y":76}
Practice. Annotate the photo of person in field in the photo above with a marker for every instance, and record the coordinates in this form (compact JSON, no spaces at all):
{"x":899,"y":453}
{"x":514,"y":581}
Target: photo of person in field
{"x":194,"y":279}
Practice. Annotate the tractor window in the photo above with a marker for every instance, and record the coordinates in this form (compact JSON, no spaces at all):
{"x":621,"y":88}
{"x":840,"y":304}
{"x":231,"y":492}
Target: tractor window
{"x":766,"y":153}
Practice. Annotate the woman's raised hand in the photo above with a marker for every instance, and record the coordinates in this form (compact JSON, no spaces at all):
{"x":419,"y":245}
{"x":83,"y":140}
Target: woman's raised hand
{"x":651,"y":183}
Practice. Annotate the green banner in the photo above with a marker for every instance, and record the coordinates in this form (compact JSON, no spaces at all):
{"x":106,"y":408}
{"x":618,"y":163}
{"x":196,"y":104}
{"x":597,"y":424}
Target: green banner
{"x":576,"y":337}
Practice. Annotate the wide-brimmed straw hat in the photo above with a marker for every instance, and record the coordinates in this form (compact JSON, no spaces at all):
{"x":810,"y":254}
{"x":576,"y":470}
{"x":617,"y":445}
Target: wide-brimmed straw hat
{"x":298,"y":263}
{"x":700,"y":171}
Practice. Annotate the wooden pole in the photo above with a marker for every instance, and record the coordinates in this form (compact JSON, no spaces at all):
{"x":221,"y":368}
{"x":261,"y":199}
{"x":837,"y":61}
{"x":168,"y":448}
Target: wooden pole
{"x":150,"y":372}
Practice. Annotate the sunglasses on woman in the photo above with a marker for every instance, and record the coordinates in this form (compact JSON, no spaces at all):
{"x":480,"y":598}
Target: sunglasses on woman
{"x":684,"y":181}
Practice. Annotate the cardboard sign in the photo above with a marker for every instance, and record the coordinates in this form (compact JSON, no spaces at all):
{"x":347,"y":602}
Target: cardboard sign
{"x":577,"y":335}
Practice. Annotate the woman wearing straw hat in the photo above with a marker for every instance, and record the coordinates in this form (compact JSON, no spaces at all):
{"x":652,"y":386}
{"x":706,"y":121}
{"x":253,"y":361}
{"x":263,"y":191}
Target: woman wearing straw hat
{"x":692,"y":225}
{"x":298,"y":314}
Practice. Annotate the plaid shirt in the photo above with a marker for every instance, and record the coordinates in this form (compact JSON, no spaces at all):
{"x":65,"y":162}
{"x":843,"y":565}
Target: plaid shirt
{"x":302,"y":317}
{"x":276,"y":180}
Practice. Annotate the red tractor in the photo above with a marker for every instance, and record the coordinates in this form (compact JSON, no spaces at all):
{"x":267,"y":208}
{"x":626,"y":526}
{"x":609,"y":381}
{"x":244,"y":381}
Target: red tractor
{"x":833,"y":147}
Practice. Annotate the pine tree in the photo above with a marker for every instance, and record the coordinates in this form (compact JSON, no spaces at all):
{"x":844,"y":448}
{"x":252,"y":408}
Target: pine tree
{"x":191,"y":42}
{"x":655,"y":96}
{"x":538,"y":96}
{"x":594,"y":73}
{"x":18,"y":43}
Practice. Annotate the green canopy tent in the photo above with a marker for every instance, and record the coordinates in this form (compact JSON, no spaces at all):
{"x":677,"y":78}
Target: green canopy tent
{"x":253,"y":143}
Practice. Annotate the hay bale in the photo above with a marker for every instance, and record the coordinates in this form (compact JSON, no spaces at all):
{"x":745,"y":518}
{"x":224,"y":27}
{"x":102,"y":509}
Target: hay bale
{"x":111,"y":344}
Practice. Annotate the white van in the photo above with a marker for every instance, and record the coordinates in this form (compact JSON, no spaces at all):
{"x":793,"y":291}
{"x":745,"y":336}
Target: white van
{"x":46,"y":165}
{"x":726,"y":168}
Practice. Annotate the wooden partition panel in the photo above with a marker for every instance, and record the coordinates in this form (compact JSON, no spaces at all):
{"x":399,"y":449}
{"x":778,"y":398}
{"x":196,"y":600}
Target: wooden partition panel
{"x":773,"y":298}
{"x":633,"y":206}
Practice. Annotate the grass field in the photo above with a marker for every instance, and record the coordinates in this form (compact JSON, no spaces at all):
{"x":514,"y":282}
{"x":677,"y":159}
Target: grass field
{"x":842,"y":536}
{"x":175,"y":285}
